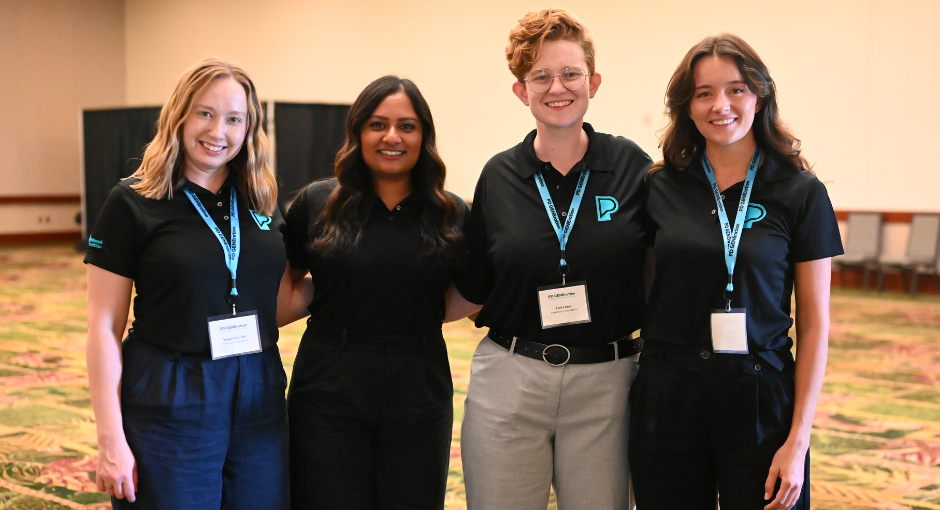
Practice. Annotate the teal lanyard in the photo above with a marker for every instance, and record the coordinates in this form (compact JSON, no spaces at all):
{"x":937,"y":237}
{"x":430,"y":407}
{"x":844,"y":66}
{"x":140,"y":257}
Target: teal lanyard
{"x":232,"y":250}
{"x":562,"y":230}
{"x":732,"y":237}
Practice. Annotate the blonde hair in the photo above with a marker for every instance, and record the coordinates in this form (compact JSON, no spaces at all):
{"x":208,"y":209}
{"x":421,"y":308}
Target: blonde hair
{"x":161,"y":170}
{"x":525,"y":41}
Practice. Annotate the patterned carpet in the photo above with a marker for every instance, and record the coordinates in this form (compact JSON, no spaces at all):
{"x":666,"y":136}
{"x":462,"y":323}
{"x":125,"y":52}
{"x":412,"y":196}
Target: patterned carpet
{"x":876,"y":444}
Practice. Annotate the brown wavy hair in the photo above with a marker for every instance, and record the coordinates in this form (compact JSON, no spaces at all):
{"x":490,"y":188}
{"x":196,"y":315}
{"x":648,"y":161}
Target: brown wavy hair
{"x":681,"y":141}
{"x":341,"y":224}
{"x":525,"y":41}
{"x":161,"y":171}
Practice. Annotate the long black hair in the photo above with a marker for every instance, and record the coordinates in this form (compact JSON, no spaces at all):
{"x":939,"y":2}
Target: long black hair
{"x":340,"y":223}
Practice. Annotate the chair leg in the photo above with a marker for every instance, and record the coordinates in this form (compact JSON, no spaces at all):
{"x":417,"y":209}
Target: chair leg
{"x":865,"y":277}
{"x":881,"y":279}
{"x":914,"y":281}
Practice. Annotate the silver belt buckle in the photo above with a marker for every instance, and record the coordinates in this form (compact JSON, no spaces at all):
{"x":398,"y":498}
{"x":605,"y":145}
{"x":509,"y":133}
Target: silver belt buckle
{"x":554,"y":364}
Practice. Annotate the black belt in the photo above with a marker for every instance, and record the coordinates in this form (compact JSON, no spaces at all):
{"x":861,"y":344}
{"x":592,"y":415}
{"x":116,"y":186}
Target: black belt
{"x":558,"y":355}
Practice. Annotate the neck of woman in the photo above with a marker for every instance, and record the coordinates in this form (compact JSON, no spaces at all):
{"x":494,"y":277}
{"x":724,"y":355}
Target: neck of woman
{"x":392,"y":189}
{"x":562,"y":146}
{"x":211,"y":180}
{"x":730,"y":162}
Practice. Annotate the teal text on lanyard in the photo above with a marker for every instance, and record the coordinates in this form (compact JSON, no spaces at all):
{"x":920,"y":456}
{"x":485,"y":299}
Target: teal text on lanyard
{"x":231,"y":250}
{"x":562,"y":230}
{"x":732,"y":238}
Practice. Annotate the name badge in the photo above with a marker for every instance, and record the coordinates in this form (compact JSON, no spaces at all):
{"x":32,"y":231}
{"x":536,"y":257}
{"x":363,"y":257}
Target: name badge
{"x":234,"y":335}
{"x":564,"y":304}
{"x":729,"y":331}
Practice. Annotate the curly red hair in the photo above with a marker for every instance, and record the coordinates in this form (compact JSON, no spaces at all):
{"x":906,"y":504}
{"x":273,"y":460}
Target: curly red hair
{"x":525,"y":41}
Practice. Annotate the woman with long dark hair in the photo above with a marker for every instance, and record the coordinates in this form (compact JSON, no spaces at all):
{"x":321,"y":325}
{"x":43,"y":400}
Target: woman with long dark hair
{"x":371,"y":396}
{"x":719,"y":406}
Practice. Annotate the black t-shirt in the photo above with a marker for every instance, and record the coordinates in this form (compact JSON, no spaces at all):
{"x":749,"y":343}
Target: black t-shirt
{"x":385,"y":285}
{"x":514,"y":249}
{"x":790,"y":220}
{"x":178,"y":265}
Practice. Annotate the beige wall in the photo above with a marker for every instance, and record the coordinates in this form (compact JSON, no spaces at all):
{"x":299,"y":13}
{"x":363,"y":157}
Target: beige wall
{"x":57,"y":57}
{"x":857,"y":78}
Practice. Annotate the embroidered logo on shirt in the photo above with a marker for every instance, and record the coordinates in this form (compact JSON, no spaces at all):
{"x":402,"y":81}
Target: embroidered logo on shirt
{"x":263,"y":221}
{"x":95,"y":243}
{"x":605,"y":207}
{"x":755,"y":213}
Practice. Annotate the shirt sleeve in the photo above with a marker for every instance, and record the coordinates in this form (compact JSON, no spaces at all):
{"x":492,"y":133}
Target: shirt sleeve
{"x":472,"y":281}
{"x":113,"y":242}
{"x":816,"y":234}
{"x":297,"y":226}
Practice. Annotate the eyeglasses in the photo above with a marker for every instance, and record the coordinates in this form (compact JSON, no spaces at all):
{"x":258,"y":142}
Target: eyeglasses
{"x":573,"y":78}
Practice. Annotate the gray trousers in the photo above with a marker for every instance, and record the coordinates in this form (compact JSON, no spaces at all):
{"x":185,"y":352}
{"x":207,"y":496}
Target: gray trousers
{"x":528,"y":426}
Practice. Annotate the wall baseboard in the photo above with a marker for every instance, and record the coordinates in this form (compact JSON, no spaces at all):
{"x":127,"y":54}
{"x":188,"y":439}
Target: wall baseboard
{"x":41,"y":199}
{"x":40,"y":238}
{"x":854,"y":279}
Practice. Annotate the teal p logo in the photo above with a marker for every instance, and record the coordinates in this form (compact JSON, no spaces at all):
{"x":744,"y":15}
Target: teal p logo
{"x":755,"y":213}
{"x":605,"y":207}
{"x":262,"y":220}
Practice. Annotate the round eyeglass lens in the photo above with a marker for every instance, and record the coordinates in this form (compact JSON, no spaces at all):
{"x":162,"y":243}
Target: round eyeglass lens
{"x":573,"y":78}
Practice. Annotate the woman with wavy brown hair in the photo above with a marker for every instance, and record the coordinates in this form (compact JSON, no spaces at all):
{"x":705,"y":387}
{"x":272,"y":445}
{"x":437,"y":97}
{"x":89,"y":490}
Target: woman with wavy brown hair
{"x":719,"y":407}
{"x":371,"y":396}
{"x":190,"y":416}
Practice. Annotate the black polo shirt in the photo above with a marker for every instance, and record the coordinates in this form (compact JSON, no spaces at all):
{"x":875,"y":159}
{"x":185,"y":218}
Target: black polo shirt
{"x":514,"y":249}
{"x":178,"y":265}
{"x":790,"y":220}
{"x":385,"y":286}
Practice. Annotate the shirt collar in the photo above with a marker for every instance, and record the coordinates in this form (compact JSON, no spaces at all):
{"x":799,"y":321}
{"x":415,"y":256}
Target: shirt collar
{"x":373,"y":203}
{"x":774,"y":168}
{"x":596,"y":158}
{"x":199,"y":190}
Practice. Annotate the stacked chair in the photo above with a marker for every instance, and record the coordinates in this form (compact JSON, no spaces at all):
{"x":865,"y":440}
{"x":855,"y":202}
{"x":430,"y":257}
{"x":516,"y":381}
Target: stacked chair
{"x":921,"y":256}
{"x":863,"y":245}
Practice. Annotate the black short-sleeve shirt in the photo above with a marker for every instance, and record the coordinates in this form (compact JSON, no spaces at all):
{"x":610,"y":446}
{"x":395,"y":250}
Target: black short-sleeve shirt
{"x":178,"y":265}
{"x":385,"y":285}
{"x":514,"y":249}
{"x":789,"y":220}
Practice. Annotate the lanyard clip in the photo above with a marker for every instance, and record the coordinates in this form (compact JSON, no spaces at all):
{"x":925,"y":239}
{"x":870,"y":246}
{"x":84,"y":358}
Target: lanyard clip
{"x":232,"y":298}
{"x":563,"y":267}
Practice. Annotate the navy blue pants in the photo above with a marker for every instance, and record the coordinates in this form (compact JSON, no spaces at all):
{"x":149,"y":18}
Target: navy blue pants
{"x":206,"y":434}
{"x":371,"y":420}
{"x":705,"y":426}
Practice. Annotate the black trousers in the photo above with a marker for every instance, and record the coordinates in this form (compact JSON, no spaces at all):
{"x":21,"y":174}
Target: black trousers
{"x":706,"y":426}
{"x":371,"y":420}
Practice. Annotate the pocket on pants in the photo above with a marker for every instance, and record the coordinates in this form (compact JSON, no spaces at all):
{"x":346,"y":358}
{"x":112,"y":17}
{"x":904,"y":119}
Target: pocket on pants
{"x":317,"y":367}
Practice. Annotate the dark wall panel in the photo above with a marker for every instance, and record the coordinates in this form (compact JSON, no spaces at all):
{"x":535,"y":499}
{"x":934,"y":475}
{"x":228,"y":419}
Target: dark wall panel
{"x":114,"y":142}
{"x":308,"y":136}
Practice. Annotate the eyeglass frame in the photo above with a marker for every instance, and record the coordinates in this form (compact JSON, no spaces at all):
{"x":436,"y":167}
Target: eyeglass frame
{"x":526,"y":80}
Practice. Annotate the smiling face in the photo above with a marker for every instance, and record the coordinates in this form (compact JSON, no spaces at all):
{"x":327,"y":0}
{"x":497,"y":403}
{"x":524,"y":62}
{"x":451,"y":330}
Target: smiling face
{"x":558,"y":107}
{"x":723,"y":107}
{"x":390,"y":139}
{"x":215,"y":127}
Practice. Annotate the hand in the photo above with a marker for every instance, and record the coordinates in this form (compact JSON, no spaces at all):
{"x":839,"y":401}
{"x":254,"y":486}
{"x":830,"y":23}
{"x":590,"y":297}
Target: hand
{"x":117,"y":470}
{"x":787,"y":466}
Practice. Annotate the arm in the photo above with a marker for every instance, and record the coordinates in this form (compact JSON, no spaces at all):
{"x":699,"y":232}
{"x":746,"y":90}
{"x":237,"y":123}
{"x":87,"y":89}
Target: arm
{"x":649,"y":272}
{"x":109,"y":298}
{"x":812,"y":280}
{"x":294,"y":295}
{"x":457,"y":307}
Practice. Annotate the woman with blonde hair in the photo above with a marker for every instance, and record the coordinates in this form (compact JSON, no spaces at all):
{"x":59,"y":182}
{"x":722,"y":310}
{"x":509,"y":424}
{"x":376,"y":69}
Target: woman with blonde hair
{"x":190,"y":407}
